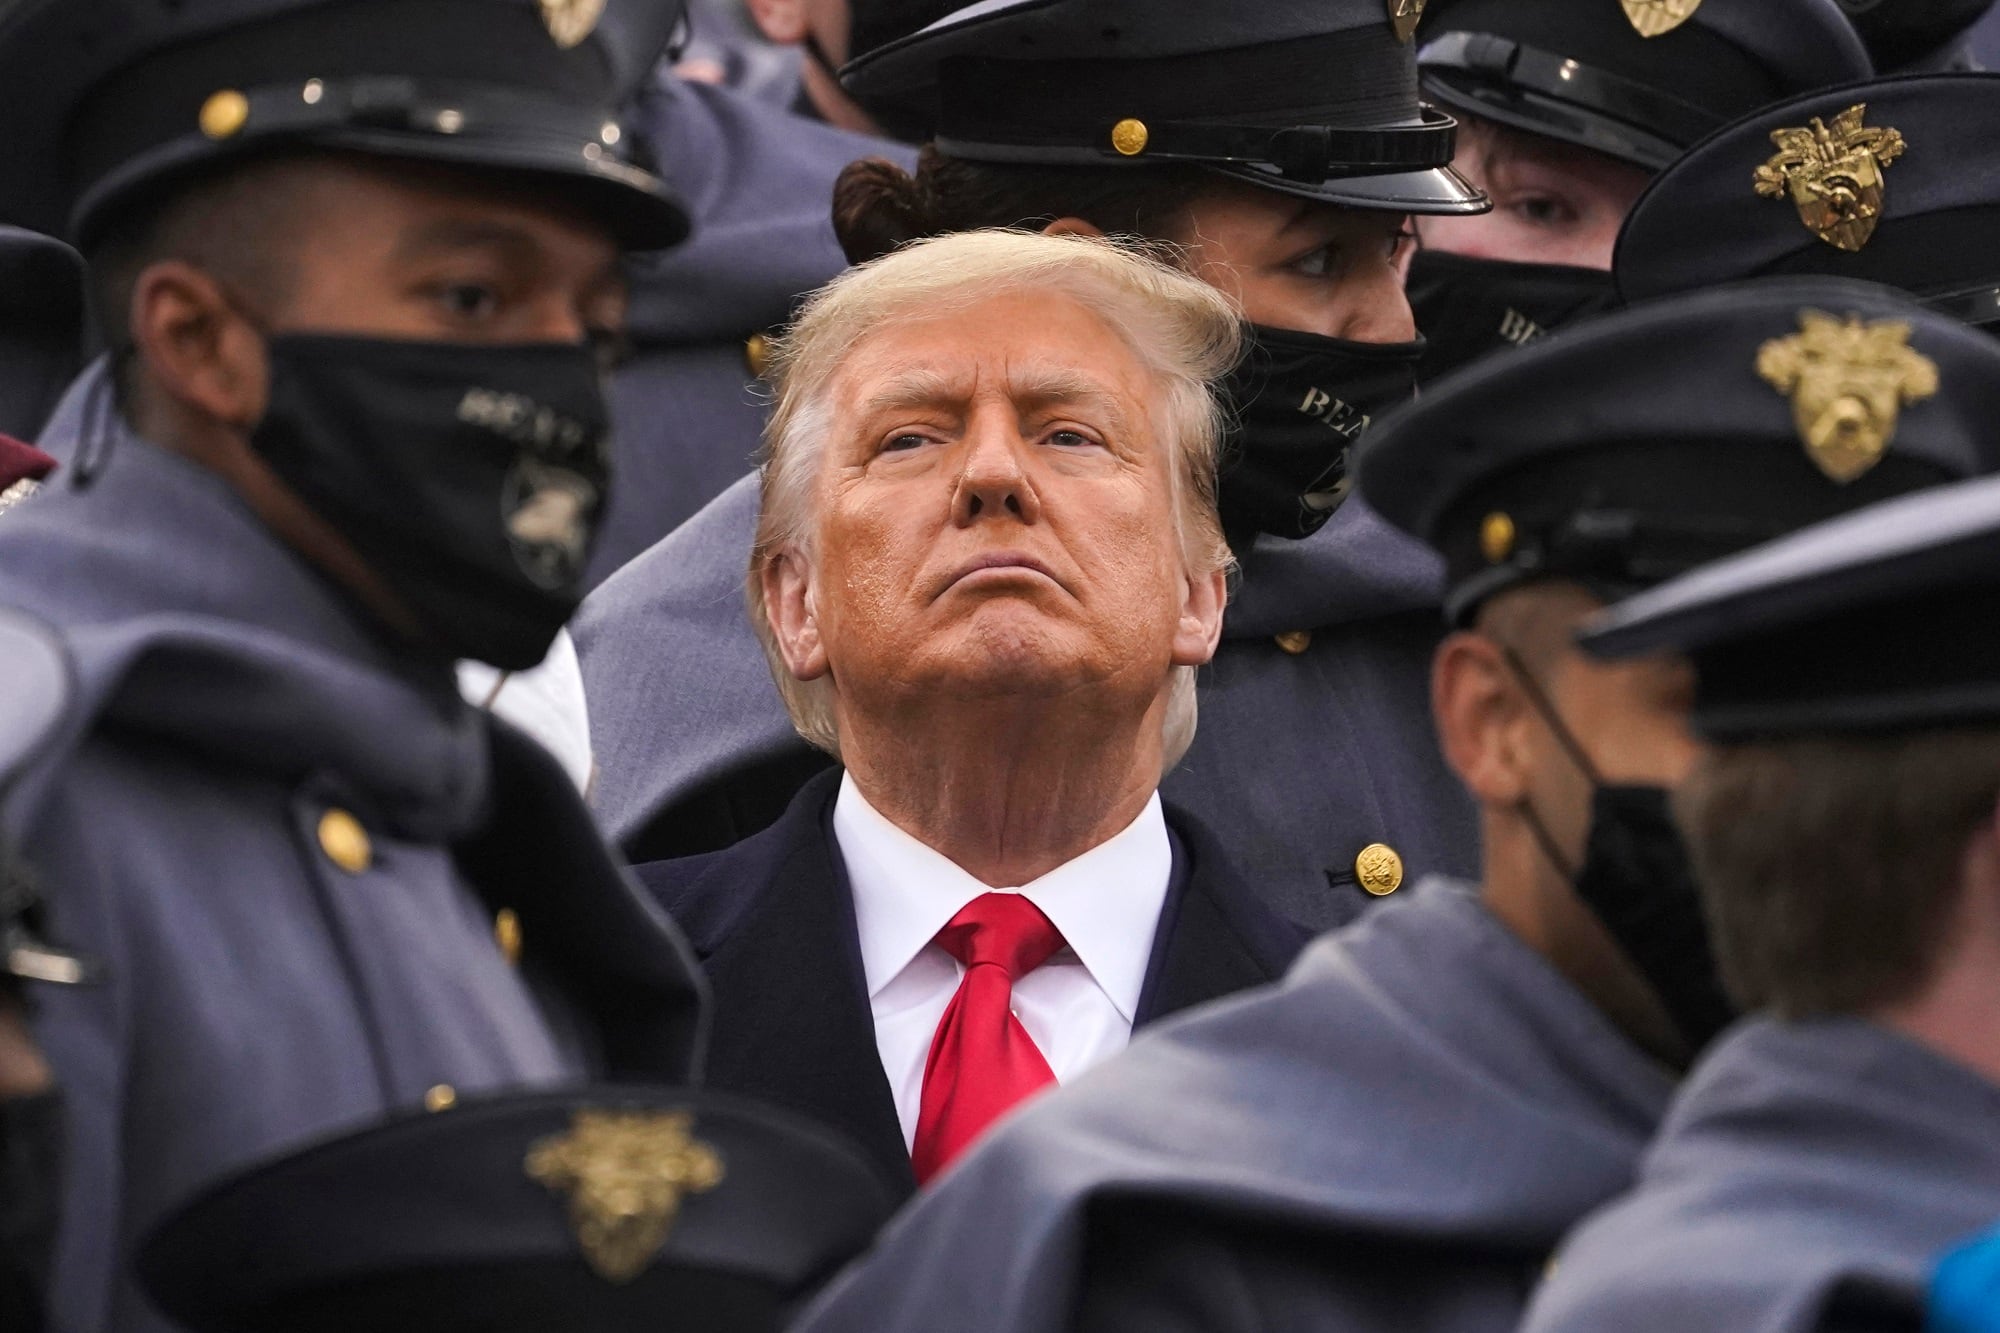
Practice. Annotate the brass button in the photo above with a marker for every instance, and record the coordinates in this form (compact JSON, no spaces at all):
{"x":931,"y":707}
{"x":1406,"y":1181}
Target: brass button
{"x":441,"y":1098}
{"x":1378,"y":869}
{"x":1295,"y":641}
{"x":224,"y":113}
{"x":345,"y":842}
{"x":1129,"y":136}
{"x":507,"y":934}
{"x":1496,"y":538}
{"x":757,"y":354}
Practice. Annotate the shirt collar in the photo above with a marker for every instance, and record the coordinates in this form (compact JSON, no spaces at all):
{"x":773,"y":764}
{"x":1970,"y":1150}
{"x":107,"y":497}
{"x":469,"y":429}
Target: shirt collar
{"x":1106,"y":902}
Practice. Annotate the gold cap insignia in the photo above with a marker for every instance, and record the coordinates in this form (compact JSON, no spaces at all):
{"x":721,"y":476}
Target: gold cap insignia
{"x":1833,"y":175}
{"x":1848,"y":381}
{"x":625,"y":1173}
{"x":570,"y":21}
{"x":1404,"y":15}
{"x":1654,"y":17}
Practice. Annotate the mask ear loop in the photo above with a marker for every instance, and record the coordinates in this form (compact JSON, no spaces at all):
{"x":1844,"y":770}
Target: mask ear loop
{"x":1545,"y":706}
{"x":97,"y":435}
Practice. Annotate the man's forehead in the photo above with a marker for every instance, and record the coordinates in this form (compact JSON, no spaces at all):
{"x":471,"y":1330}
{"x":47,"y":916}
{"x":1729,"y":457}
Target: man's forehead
{"x":894,"y":378}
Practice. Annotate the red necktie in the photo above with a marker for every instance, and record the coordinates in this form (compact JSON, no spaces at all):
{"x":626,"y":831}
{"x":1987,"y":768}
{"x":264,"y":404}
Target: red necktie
{"x":982,"y":1060}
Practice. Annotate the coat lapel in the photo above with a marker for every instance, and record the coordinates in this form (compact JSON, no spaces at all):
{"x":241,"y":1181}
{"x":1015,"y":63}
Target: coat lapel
{"x":790,"y":1020}
{"x":1215,"y":936}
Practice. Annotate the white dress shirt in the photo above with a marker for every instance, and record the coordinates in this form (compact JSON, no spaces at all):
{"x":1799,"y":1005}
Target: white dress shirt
{"x":1078,"y":1006}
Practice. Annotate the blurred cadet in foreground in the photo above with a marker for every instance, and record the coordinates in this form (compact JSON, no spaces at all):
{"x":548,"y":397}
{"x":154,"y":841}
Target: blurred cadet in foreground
{"x":1397,"y":1136}
{"x":1848,"y":684}
{"x":1919,"y":36}
{"x":1282,"y":148}
{"x":1567,"y":107}
{"x":31,"y":1139}
{"x":1878,"y":180}
{"x":987,"y":568}
{"x":596,"y":1210}
{"x":352,"y":259}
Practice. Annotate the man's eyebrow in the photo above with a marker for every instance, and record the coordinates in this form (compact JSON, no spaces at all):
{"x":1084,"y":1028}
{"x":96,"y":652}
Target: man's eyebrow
{"x":1028,"y":386}
{"x":917,"y":387}
{"x":466,"y":234}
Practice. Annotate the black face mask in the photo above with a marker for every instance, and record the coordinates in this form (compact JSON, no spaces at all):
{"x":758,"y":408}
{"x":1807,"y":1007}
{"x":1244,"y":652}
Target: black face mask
{"x":1299,"y":403}
{"x":1469,"y":308}
{"x":1637,"y":880}
{"x":470,"y":479}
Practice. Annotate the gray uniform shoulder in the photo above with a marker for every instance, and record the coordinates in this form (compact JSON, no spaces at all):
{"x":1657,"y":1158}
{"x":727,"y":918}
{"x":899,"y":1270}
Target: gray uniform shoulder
{"x":40,"y":690}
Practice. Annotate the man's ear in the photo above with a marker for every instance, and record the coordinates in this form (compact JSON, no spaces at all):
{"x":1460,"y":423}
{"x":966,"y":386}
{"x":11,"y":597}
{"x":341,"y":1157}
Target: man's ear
{"x":788,"y":609}
{"x":781,"y":21}
{"x":1073,"y":227}
{"x":195,"y":346}
{"x":1200,"y":629}
{"x":1483,"y":721}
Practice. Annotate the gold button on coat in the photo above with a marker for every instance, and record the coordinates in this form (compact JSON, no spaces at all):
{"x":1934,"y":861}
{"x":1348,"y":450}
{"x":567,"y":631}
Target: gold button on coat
{"x":441,"y":1098}
{"x":1496,"y":538}
{"x":757,"y":354}
{"x":1129,"y":137}
{"x":507,"y":933}
{"x":1295,"y":641}
{"x":1378,"y":869}
{"x":345,"y":842}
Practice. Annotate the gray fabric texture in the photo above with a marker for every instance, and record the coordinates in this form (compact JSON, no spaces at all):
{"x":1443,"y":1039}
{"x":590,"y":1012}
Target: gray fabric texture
{"x":1423,"y":1094}
{"x":1799,"y":1158}
{"x":256,"y":994}
{"x":1300,"y":762}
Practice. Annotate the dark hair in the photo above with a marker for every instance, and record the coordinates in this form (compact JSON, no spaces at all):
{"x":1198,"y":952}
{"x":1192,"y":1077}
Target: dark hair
{"x":1831,"y":867}
{"x":877,"y":206}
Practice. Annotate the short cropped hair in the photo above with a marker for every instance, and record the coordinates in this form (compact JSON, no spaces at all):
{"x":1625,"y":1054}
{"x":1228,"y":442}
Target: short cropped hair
{"x":1185,"y":332}
{"x":1831,"y":867}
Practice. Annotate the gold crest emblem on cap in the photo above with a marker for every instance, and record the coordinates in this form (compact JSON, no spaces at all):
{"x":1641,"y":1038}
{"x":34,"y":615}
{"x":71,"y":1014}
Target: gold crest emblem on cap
{"x":1833,"y":175}
{"x":1654,"y":17}
{"x":1404,"y":16}
{"x":1848,"y":379}
{"x":570,"y":21}
{"x":625,"y":1173}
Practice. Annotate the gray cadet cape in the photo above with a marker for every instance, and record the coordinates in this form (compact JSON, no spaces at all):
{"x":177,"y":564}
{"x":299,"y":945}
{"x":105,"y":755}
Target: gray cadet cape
{"x":257,"y":992}
{"x":1801,"y":1162}
{"x":1393,"y":1138}
{"x":1301,"y":759}
{"x":758,"y":182}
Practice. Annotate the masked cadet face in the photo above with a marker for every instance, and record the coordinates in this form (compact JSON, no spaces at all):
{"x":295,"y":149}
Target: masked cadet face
{"x":1552,"y":203}
{"x":996,"y":518}
{"x":1302,"y":265}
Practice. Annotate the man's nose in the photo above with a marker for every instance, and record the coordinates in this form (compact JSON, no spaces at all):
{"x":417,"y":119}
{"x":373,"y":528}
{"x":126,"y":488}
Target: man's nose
{"x":994,"y":480}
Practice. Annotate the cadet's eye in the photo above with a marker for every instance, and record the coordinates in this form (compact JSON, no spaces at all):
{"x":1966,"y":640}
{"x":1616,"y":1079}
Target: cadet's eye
{"x":469,"y":300}
{"x":1544,"y":211}
{"x":1317,"y":263}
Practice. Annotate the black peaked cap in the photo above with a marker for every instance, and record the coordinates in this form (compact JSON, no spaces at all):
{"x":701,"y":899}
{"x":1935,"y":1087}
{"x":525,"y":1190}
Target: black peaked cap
{"x":1583,"y":72}
{"x":1623,"y":451}
{"x":41,"y":328}
{"x":1878,"y":620}
{"x":467,"y":1219}
{"x":1316,"y":98}
{"x":104,"y":102}
{"x":1936,"y":207}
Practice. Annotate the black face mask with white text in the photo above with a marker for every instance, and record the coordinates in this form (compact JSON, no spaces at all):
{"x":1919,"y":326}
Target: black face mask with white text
{"x":470,"y":479}
{"x":1299,"y":402}
{"x":1470,"y":308}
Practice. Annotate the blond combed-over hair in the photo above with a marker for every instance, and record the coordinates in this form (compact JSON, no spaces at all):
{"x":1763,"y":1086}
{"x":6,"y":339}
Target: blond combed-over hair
{"x":1181,"y":329}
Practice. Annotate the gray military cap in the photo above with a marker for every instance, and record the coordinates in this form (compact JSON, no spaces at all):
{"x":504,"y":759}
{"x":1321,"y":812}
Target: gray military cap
{"x":1880,"y":619}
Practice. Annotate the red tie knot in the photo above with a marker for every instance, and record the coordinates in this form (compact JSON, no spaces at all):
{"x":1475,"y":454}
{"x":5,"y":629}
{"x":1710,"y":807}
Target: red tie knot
{"x":1003,"y":929}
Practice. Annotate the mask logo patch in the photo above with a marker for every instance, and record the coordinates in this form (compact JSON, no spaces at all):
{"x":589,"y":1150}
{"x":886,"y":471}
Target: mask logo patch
{"x":1653,"y":17}
{"x":570,"y":21}
{"x":1833,"y":175}
{"x":1404,"y":15}
{"x":1848,"y":381}
{"x":549,"y":508}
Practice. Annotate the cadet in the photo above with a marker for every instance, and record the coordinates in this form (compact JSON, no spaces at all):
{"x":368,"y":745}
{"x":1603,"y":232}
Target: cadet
{"x":1316,"y":761}
{"x":1848,"y":684}
{"x":351,"y":257}
{"x":1919,"y":36}
{"x":1877,"y":180}
{"x":1567,"y":107}
{"x":594,"y":1210}
{"x":37,"y":673}
{"x":757,"y":178}
{"x":1397,"y":1136}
